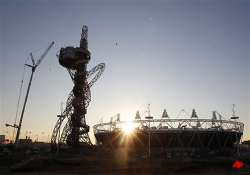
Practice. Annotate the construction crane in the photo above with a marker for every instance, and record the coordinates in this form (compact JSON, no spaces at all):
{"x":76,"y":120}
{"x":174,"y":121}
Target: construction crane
{"x":33,"y":69}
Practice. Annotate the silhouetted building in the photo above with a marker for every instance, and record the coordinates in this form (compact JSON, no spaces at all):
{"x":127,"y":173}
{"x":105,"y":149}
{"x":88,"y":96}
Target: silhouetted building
{"x":2,"y":139}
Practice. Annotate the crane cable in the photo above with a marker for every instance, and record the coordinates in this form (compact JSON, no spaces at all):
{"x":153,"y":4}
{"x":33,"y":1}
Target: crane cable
{"x":19,"y":97}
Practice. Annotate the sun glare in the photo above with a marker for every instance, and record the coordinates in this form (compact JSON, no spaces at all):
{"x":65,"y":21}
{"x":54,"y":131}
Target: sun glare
{"x":128,"y":127}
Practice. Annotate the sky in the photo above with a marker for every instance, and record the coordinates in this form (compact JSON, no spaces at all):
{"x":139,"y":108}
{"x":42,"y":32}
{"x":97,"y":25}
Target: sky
{"x":172,"y":54}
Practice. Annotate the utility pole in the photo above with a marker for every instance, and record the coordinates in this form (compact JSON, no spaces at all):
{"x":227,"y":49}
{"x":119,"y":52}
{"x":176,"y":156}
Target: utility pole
{"x":149,"y":118}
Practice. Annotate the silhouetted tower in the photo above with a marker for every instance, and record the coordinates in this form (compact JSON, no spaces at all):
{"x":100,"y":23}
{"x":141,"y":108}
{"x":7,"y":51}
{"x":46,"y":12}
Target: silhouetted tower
{"x":165,"y":114}
{"x":76,"y":60}
{"x":137,"y":116}
{"x":194,"y":114}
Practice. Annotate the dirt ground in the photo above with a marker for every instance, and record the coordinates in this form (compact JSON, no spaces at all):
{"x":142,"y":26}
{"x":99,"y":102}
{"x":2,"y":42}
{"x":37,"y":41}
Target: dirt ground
{"x":100,"y":163}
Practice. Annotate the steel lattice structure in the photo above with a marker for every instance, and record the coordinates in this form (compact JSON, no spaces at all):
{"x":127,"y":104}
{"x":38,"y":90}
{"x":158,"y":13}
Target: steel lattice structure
{"x":75,"y":131}
{"x":174,"y":124}
{"x":172,"y":136}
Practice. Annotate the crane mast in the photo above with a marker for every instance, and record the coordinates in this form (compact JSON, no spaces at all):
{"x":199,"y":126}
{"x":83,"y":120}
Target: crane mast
{"x":33,"y":69}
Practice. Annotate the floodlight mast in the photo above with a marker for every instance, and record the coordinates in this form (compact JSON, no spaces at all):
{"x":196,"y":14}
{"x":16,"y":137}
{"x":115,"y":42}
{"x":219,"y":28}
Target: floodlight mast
{"x":33,"y":69}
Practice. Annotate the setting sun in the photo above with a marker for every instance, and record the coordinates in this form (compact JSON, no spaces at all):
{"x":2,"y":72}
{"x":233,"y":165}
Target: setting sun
{"x":128,"y":127}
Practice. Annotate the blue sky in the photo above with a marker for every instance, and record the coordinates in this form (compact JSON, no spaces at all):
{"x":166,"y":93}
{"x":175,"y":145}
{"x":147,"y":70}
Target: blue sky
{"x":171,"y":54}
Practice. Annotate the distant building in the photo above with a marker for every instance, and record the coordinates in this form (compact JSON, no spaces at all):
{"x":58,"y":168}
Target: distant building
{"x":246,"y":142}
{"x":25,"y":141}
{"x":2,"y":139}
